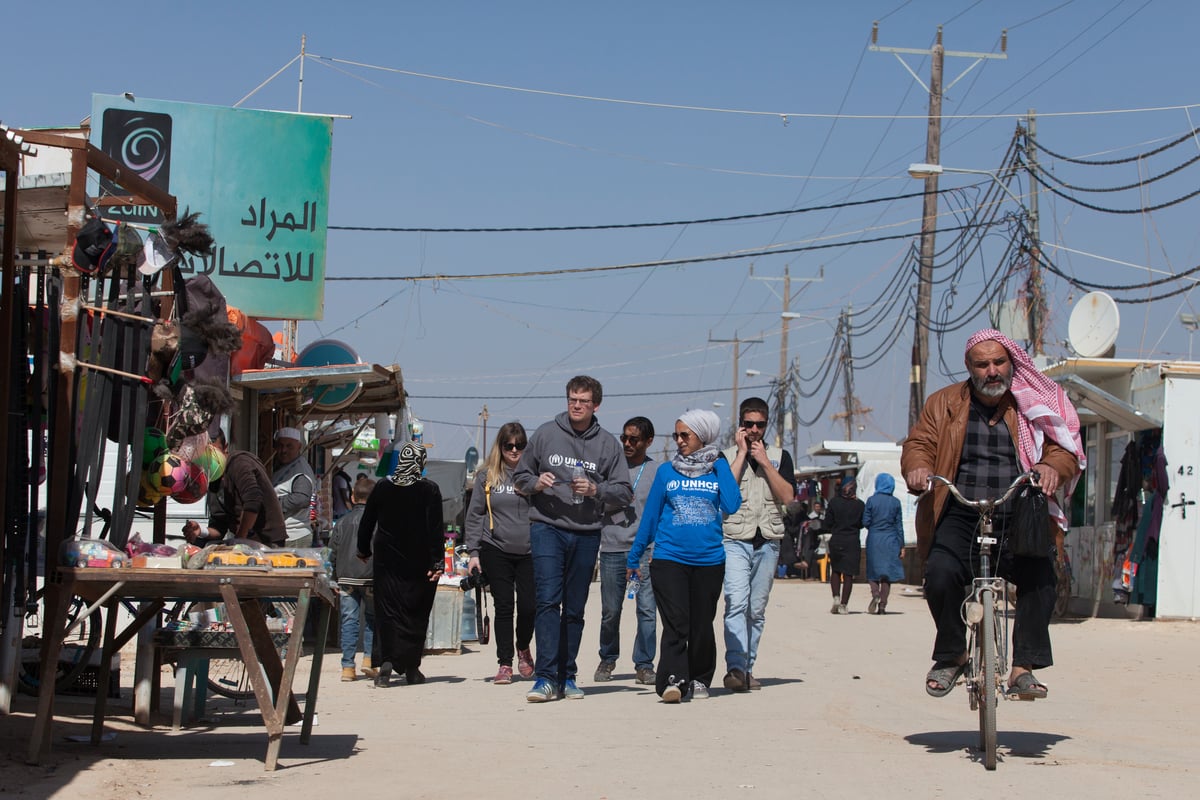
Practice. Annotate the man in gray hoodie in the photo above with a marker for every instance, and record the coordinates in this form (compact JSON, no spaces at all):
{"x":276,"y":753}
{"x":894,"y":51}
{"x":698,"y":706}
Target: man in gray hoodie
{"x":571,"y":470}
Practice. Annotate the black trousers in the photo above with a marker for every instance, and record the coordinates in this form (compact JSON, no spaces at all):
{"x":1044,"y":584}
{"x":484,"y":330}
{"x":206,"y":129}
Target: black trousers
{"x":687,"y":605}
{"x":510,"y":577}
{"x":953,"y":561}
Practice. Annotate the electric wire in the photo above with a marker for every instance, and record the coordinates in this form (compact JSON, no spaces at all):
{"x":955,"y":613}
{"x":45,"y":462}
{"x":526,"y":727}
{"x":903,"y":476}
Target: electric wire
{"x":1041,"y":170}
{"x":1113,"y":161}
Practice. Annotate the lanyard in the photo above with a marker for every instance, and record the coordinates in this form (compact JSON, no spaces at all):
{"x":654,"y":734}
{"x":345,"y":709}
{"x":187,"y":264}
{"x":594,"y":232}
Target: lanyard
{"x":639,"y":475}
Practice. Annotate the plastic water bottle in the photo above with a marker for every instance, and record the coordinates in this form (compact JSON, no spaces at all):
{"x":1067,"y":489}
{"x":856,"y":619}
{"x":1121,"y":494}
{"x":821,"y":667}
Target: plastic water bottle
{"x":576,"y":474}
{"x":631,"y":588}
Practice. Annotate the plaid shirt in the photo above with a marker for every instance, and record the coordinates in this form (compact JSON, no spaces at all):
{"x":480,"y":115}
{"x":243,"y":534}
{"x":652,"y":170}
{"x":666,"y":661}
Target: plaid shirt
{"x":989,"y":458}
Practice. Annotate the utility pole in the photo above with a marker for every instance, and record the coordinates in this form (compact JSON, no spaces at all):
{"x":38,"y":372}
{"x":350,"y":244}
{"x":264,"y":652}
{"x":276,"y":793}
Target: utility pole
{"x":933,"y":139}
{"x":1037,"y":298}
{"x":291,"y":328}
{"x":783,"y":384}
{"x":737,"y":352}
{"x":853,"y":407}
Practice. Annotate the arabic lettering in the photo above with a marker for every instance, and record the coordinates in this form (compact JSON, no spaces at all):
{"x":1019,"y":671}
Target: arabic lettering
{"x":257,"y":218}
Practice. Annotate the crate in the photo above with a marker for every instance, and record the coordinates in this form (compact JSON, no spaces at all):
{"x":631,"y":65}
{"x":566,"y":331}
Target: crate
{"x":89,"y":681}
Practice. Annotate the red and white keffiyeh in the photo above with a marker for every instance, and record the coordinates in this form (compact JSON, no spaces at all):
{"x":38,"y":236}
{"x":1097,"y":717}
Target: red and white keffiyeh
{"x":1045,"y":411}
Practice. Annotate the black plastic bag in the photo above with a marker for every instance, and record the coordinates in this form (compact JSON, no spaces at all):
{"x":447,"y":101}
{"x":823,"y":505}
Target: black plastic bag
{"x":1029,"y":531}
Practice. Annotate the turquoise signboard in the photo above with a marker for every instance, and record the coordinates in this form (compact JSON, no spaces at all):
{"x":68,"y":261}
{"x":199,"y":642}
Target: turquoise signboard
{"x":260,"y":180}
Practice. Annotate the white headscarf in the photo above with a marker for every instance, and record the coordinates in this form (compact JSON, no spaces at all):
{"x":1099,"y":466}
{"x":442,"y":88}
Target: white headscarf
{"x":707,"y":426}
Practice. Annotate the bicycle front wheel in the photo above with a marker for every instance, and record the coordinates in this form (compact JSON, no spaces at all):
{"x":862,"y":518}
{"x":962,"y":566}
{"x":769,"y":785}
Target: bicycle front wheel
{"x":227,"y":677}
{"x":988,"y":679}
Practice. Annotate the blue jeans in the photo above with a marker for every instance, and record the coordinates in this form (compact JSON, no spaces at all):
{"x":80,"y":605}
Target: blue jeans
{"x":562,"y":574}
{"x":352,"y":601}
{"x":749,"y":575}
{"x":612,"y":598}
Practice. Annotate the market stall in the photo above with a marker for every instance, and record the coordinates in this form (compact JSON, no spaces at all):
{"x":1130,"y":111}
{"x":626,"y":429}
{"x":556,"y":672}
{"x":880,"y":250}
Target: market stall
{"x":241,"y":590}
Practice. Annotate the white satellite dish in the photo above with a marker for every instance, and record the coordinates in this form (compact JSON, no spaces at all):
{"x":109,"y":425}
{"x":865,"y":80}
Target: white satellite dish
{"x":1095,"y":321}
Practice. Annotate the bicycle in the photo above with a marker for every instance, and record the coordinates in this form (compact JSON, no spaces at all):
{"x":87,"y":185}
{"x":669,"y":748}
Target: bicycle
{"x":985,"y":612}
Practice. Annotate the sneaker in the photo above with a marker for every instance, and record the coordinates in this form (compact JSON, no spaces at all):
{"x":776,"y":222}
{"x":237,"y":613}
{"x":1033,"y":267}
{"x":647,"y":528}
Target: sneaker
{"x":503,"y":675}
{"x":672,"y":694}
{"x":735,"y":681}
{"x":699,"y":691}
{"x":834,"y":609}
{"x":881,"y":610}
{"x":874,"y":607}
{"x":349,"y":674}
{"x":525,"y":663}
{"x":543,"y":691}
{"x":570,"y":691}
{"x":604,"y":672}
{"x":841,"y":609}
{"x":645,"y":676}
{"x":753,"y":682}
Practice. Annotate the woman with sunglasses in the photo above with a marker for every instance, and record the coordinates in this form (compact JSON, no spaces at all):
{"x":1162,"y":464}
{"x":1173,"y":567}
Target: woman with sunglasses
{"x":497,"y":539}
{"x":682,"y":519}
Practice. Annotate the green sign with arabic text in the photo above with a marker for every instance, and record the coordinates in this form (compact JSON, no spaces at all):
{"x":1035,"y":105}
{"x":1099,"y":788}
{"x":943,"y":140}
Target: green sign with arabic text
{"x":260,"y":180}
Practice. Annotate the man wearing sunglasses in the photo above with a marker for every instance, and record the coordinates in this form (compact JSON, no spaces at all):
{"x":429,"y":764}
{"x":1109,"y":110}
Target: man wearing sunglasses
{"x":616,"y":539}
{"x":767,"y":480}
{"x":571,"y":470}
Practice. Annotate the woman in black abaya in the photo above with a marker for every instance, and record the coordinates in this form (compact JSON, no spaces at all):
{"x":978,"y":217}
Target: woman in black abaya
{"x":402,"y":526}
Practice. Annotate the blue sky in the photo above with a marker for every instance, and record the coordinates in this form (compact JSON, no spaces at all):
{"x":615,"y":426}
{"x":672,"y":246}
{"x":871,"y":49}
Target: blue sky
{"x":430,"y":153}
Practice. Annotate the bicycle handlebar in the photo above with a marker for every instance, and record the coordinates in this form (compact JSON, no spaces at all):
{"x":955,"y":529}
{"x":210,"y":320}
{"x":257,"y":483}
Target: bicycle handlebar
{"x":1030,"y":477}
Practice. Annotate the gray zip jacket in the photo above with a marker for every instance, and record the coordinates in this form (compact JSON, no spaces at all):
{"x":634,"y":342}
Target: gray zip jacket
{"x":557,"y":447}
{"x":343,"y":551}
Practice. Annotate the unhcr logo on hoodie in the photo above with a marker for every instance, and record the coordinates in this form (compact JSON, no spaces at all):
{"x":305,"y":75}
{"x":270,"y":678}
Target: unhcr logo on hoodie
{"x":691,"y":484}
{"x":559,"y":460}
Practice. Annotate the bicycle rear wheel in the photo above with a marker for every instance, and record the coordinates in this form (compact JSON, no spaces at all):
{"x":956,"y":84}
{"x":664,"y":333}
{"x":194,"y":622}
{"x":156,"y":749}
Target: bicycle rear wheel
{"x":987,"y":686}
{"x":227,"y":677}
{"x":77,"y":648}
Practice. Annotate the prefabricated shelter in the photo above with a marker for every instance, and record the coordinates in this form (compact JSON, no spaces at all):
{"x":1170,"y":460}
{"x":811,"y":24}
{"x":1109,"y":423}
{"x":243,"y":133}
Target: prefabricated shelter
{"x":1139,"y":402}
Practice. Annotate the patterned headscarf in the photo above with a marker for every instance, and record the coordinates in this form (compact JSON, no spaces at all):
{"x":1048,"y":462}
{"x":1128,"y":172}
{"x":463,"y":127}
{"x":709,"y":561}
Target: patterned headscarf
{"x":410,"y":465}
{"x":1044,"y":410}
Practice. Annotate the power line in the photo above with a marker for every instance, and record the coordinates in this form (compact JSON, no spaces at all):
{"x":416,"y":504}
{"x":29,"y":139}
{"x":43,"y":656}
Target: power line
{"x":638,"y":265}
{"x":784,"y":116}
{"x":627,"y":225}
{"x":672,"y":393}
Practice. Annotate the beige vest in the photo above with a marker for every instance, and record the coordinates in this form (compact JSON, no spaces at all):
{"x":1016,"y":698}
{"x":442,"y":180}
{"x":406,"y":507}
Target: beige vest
{"x":760,"y":510}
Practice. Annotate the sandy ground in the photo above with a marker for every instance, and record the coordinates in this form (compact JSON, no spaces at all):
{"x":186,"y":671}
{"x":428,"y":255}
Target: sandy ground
{"x":842,"y":714}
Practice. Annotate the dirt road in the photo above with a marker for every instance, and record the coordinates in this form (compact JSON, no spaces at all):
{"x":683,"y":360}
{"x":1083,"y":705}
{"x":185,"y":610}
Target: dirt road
{"x":842,"y":714}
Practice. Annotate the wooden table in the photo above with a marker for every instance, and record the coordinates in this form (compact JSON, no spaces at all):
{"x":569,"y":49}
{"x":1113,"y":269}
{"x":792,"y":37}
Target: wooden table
{"x":240,"y":590}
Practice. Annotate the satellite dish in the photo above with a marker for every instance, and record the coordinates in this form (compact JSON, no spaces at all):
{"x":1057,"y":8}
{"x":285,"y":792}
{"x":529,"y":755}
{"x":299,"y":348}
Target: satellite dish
{"x":1092,"y":330}
{"x":323,"y":353}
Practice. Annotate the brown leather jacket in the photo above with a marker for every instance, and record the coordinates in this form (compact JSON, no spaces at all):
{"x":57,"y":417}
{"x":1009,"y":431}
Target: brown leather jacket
{"x":936,"y":443}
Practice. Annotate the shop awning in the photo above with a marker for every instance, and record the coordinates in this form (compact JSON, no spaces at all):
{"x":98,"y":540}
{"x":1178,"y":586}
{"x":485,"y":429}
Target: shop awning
{"x":382,"y":388}
{"x":1091,"y":398}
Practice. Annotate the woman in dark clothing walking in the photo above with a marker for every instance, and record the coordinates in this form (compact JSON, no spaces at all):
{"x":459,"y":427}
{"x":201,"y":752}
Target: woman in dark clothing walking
{"x":843,"y":520}
{"x":402,"y":526}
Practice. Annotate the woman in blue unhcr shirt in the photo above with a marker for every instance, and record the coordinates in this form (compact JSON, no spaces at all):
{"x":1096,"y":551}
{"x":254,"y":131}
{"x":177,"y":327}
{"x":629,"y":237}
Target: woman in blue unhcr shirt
{"x":682,"y":518}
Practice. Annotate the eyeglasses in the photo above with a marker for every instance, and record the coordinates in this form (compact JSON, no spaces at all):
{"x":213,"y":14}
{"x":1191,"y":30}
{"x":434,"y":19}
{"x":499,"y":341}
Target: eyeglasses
{"x":752,"y":423}
{"x":514,"y":445}
{"x":630,"y":439}
{"x":578,"y":401}
{"x":682,"y":437}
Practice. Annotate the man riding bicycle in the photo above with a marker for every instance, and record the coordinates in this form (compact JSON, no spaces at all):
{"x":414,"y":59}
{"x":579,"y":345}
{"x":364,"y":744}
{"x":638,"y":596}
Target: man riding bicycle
{"x":1005,"y":419}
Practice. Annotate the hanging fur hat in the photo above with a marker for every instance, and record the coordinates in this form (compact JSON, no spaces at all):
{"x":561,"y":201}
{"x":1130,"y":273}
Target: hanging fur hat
{"x":188,"y":235}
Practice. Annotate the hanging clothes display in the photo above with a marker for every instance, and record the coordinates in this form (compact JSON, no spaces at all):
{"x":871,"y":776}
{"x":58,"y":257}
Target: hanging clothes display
{"x":1144,"y":553}
{"x":1126,"y":500}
